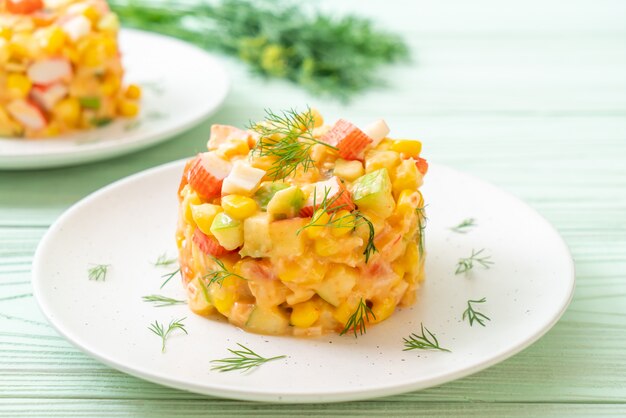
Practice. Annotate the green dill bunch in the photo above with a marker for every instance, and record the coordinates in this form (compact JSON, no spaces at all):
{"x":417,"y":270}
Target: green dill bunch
{"x":327,"y":55}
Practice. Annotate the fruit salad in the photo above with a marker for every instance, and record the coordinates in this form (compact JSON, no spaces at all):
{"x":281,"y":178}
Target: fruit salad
{"x":298,"y":227}
{"x":60,"y":68}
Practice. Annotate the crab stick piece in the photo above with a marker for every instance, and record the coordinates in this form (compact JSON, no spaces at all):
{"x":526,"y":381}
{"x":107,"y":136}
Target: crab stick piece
{"x":77,"y":27}
{"x":422,"y":165}
{"x":243,"y":179}
{"x":377,"y":130}
{"x":349,"y":140}
{"x":49,"y":71}
{"x":207,"y":173}
{"x":23,"y":7}
{"x":208,"y":244}
{"x":48,"y":96}
{"x":221,"y":134}
{"x":27,"y":114}
{"x":336,"y":194}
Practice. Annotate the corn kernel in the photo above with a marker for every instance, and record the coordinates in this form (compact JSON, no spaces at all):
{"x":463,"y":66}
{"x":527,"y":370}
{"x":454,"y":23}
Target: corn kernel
{"x":409,"y":147}
{"x":318,"y":224}
{"x":92,"y":14}
{"x":233,"y":147}
{"x":70,"y":53}
{"x":343,"y":223}
{"x":18,"y":85}
{"x":53,"y":40}
{"x":225,"y":296}
{"x":6,"y":32}
{"x":191,"y":198}
{"x":239,"y":207}
{"x":133,"y":92}
{"x":127,"y":108}
{"x":203,"y":215}
{"x":68,"y":111}
{"x":304,"y":314}
{"x":343,"y":312}
{"x":110,"y":85}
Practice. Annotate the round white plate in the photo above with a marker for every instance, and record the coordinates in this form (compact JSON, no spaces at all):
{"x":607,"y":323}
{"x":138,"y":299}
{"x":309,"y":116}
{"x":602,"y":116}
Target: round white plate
{"x":129,"y":223}
{"x":182,"y":85}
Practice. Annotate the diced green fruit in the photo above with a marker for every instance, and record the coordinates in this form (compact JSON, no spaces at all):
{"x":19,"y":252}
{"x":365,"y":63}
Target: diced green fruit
{"x":90,"y":102}
{"x":337,"y":285}
{"x":228,"y":231}
{"x":265,"y":320}
{"x":267,"y":191}
{"x":286,"y":242}
{"x":286,"y":203}
{"x":372,"y":192}
{"x":256,"y":233}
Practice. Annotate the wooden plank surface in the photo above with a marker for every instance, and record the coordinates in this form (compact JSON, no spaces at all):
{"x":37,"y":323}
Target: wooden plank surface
{"x":528,"y":95}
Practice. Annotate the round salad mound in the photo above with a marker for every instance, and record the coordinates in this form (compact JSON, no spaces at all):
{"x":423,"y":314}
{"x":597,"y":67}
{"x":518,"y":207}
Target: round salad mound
{"x":297,"y":227}
{"x":60,"y":68}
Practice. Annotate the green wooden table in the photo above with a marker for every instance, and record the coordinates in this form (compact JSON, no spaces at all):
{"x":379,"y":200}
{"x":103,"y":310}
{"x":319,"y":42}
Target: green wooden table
{"x":528,"y":95}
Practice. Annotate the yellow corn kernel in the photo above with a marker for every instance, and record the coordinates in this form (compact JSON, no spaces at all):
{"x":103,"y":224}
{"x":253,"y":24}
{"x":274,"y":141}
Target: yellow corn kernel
{"x":70,"y":53}
{"x":224,"y":297}
{"x":203,"y":215}
{"x":18,"y":51}
{"x":348,"y":170}
{"x":343,"y":312}
{"x":53,"y":40}
{"x":110,"y":85}
{"x":407,"y":202}
{"x":6,"y":32}
{"x":409,"y":147}
{"x":67,"y":111}
{"x":233,"y":147}
{"x":239,"y":207}
{"x":127,"y":108}
{"x":53,"y":129}
{"x":298,"y":272}
{"x":406,"y":177}
{"x":382,"y":309}
{"x":318,"y":120}
{"x":133,"y":92}
{"x":318,"y":224}
{"x":191,"y":198}
{"x":18,"y":85}
{"x":375,"y":160}
{"x":304,"y":314}
{"x":411,"y":258}
{"x":343,"y":223}
{"x":92,"y":14}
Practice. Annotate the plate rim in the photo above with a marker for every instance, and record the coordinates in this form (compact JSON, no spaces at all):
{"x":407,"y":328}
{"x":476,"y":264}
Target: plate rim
{"x":231,"y":391}
{"x":87,"y":153}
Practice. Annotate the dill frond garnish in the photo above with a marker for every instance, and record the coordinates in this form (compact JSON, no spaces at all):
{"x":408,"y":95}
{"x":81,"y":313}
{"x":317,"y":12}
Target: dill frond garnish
{"x":288,"y":137}
{"x":473,"y":315}
{"x":159,"y":330}
{"x":350,"y":221}
{"x":160,"y":300}
{"x":465,"y":226}
{"x":163,"y":260}
{"x":323,"y":53}
{"x":245,"y":359}
{"x":357,"y":320}
{"x":422,"y":342}
{"x":218,"y":275}
{"x":466,"y":264}
{"x":169,"y":276}
{"x":98,"y":272}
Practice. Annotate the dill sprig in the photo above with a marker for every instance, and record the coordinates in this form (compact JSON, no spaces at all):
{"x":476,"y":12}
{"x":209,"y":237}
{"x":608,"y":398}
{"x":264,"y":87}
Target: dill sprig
{"x":356,"y":321}
{"x":164,"y":260}
{"x":160,"y":300}
{"x":159,"y":330}
{"x":326,"y":55}
{"x":466,"y":264}
{"x":421,"y":226}
{"x":288,"y":137}
{"x":351,"y":220}
{"x":168,"y":277}
{"x":98,"y":272}
{"x":465,"y":226}
{"x":245,"y":359}
{"x":422,"y":342}
{"x":218,"y":275}
{"x":473,"y":315}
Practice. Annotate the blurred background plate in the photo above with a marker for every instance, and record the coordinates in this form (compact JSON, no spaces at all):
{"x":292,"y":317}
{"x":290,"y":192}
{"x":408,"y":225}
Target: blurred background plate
{"x":182,"y":86}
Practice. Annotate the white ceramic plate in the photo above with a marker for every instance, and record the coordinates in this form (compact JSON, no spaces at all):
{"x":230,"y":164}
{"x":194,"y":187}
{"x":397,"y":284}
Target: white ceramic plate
{"x":129,"y":223}
{"x":182,"y":86}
